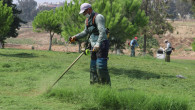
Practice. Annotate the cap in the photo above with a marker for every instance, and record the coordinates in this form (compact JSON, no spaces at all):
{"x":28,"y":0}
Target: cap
{"x":135,"y":38}
{"x":165,"y":40}
{"x":83,"y":7}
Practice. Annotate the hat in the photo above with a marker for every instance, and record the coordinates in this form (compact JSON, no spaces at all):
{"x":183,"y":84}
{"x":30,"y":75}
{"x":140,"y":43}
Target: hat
{"x":135,"y":38}
{"x":165,"y":40}
{"x":83,"y":7}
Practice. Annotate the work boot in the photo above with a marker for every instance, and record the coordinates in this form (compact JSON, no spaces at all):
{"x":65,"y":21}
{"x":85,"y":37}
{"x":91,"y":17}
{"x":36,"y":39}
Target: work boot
{"x":93,"y":72}
{"x":102,"y":71}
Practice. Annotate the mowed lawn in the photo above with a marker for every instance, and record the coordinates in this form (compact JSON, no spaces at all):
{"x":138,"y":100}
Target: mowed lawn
{"x":137,"y":83}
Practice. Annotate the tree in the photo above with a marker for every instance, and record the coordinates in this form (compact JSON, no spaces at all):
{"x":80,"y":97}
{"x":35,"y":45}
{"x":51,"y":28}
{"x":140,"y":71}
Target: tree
{"x":183,"y":7}
{"x":120,"y":26}
{"x":172,"y":11}
{"x":123,"y":19}
{"x":193,"y":10}
{"x":15,"y":25}
{"x":6,"y":19}
{"x":47,"y":21}
{"x":28,"y":8}
{"x":72,"y":22}
{"x":156,"y":10}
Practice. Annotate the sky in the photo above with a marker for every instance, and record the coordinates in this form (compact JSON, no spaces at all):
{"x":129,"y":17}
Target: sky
{"x":42,"y":1}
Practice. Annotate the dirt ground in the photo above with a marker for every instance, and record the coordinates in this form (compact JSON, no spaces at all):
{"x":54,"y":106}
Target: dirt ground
{"x":181,"y":40}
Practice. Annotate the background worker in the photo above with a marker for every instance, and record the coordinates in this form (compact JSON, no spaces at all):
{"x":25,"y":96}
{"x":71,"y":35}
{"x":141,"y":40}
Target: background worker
{"x":167,"y":50}
{"x":133,"y":44}
{"x":99,"y":43}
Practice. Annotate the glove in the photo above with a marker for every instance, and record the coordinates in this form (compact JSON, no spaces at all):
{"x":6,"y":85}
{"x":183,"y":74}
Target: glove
{"x":72,"y":39}
{"x":96,"y":47}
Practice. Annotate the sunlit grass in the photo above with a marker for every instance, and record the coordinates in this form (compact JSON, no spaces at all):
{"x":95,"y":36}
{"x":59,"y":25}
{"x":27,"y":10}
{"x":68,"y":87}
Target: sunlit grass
{"x":137,"y":83}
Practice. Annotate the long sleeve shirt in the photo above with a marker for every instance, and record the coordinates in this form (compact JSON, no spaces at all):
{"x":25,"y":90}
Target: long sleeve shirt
{"x":134,"y":43}
{"x":95,"y":39}
{"x":169,"y":48}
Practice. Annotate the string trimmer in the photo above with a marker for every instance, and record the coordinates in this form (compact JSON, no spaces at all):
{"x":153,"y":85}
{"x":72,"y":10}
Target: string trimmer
{"x":86,"y":52}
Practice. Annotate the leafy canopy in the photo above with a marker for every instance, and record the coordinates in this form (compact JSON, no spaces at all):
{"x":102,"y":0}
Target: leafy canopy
{"x":122,"y":26}
{"x":46,"y":21}
{"x":6,"y":19}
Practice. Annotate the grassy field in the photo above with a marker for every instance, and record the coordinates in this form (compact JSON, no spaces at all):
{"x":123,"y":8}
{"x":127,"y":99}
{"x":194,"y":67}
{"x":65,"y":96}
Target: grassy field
{"x":140,"y":83}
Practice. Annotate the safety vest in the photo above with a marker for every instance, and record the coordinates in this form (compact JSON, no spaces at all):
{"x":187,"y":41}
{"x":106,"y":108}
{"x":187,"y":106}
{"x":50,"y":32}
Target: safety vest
{"x":94,"y":24}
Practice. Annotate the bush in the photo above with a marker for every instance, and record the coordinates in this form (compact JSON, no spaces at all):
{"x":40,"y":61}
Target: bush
{"x":151,"y":43}
{"x":57,"y":42}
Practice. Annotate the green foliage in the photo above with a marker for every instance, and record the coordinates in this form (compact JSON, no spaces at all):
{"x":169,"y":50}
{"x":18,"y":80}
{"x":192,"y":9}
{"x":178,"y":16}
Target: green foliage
{"x":152,"y":43}
{"x":56,"y":41}
{"x":47,"y":21}
{"x":72,"y":22}
{"x":193,"y":10}
{"x":15,"y":23}
{"x":6,"y":19}
{"x":121,"y":26}
{"x":193,"y":45}
{"x":157,"y":13}
{"x":123,"y":19}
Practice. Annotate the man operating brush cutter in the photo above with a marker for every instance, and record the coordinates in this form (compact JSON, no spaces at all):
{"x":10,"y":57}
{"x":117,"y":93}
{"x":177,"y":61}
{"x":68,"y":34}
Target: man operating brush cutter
{"x":95,"y":28}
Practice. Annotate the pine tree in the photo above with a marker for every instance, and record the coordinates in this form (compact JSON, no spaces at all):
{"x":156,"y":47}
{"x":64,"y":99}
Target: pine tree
{"x":6,"y":19}
{"x":157,"y":13}
{"x":124,"y":19}
{"x":47,"y":21}
{"x":16,"y":24}
{"x":72,"y":22}
{"x":121,"y":27}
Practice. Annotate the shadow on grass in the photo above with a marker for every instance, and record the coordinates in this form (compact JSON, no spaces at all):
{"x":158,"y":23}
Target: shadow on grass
{"x":20,"y":55}
{"x":133,"y":73}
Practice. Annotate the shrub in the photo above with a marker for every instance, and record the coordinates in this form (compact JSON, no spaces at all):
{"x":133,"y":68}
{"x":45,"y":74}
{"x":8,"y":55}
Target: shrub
{"x":55,"y":41}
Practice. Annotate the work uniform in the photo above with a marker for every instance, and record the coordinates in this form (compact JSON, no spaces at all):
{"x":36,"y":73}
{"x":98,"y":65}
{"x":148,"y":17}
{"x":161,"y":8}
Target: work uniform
{"x":133,"y":44}
{"x":168,"y":51}
{"x":98,"y":67}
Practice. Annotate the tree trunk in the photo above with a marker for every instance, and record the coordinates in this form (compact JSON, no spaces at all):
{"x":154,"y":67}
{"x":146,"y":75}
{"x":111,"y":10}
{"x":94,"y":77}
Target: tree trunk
{"x":50,"y":42}
{"x":144,"y":48}
{"x":144,"y":51}
{"x":1,"y":45}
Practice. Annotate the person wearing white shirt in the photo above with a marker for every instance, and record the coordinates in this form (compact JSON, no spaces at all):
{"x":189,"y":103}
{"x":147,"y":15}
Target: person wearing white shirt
{"x":168,"y":50}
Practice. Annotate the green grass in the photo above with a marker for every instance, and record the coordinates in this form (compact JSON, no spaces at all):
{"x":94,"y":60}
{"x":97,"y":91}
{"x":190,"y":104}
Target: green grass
{"x":140,"y":83}
{"x":21,"y":41}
